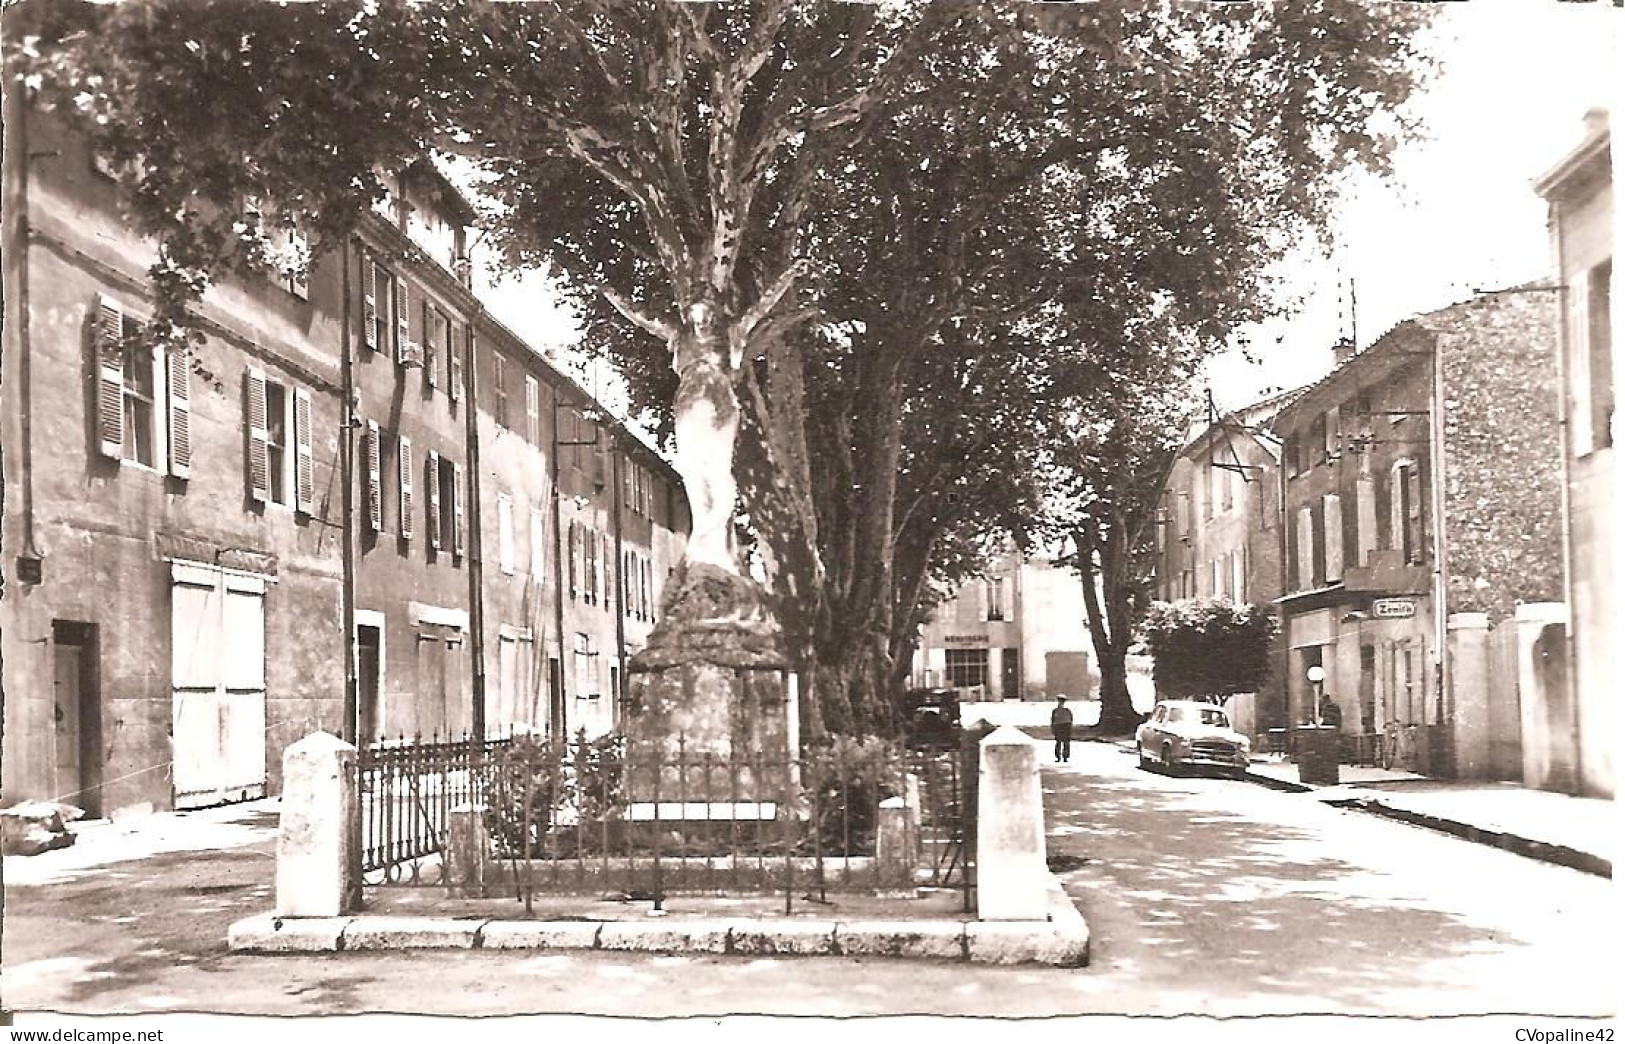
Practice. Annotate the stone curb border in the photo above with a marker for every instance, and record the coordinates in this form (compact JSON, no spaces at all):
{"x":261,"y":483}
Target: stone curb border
{"x":1543,"y":851}
{"x":1061,"y":941}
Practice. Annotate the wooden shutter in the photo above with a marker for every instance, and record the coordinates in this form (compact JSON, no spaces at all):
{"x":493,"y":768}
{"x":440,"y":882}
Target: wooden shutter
{"x":259,"y":457}
{"x":404,"y":478}
{"x":299,"y":250}
{"x":403,"y":321}
{"x":433,"y":334}
{"x":109,"y":379}
{"x":369,"y":302}
{"x":575,"y":569}
{"x":180,"y":411}
{"x":454,"y":361}
{"x":648,"y":591}
{"x":457,"y":509}
{"x":533,"y":410}
{"x":375,"y":479}
{"x":433,"y":492}
{"x":304,"y":465}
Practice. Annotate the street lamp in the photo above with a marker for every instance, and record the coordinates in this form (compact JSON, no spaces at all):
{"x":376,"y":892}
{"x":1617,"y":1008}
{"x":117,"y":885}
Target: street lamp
{"x":1317,"y":678}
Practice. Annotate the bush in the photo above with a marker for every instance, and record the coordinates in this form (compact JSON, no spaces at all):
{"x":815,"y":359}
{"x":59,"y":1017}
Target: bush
{"x":1209,"y":647}
{"x":847,"y":778}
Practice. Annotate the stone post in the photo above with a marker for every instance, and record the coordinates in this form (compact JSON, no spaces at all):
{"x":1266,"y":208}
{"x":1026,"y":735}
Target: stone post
{"x":1469,"y":650}
{"x":911,"y":801}
{"x":1012,"y":878}
{"x":1545,"y":706}
{"x":894,"y":858}
{"x":316,"y":869}
{"x":468,"y":852}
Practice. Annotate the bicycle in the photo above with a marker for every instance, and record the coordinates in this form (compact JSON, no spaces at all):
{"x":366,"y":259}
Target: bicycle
{"x":1398,"y":745}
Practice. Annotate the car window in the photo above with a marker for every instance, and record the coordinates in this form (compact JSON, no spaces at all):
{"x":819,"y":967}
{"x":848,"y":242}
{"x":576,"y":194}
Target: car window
{"x":1161,"y":715}
{"x":1176,"y":714}
{"x":1214,"y":716}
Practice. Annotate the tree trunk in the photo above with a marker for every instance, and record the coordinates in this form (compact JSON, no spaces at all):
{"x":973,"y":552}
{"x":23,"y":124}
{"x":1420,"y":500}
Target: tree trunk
{"x":1104,"y":603}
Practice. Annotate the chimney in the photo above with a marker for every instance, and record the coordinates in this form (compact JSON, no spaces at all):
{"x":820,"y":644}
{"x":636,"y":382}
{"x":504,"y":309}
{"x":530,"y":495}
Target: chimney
{"x":1596,"y":121}
{"x":1342,"y":351}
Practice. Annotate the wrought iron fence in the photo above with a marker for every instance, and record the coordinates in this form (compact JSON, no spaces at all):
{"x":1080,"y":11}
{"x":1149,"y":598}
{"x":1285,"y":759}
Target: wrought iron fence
{"x":596,"y":816}
{"x":407,"y":789}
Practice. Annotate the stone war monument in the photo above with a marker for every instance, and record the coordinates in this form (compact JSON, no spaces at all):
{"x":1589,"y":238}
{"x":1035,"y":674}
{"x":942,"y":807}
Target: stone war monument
{"x":714,"y":679}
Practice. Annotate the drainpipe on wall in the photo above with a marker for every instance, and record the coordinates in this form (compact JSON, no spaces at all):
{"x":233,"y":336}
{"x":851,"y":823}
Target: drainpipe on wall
{"x":349,"y":726}
{"x":1441,"y":543}
{"x":620,"y":586}
{"x":25,"y":368}
{"x":560,"y":727}
{"x":476,"y":565}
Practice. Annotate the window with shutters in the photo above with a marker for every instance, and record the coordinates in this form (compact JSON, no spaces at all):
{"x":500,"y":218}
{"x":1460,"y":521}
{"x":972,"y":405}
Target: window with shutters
{"x":533,"y":410}
{"x":143,"y":413}
{"x":432,"y":489}
{"x":374,"y":499}
{"x":276,"y":442}
{"x":1406,"y":497}
{"x":1305,"y":549}
{"x":1599,"y":353}
{"x":454,"y":497}
{"x":499,"y":389}
{"x":648,"y":591}
{"x":436,"y":342}
{"x":403,"y":478}
{"x":459,"y":338}
{"x":378,"y":307}
{"x":1332,"y":512}
{"x":572,"y":561}
{"x":140,"y":406}
{"x":407,"y":351}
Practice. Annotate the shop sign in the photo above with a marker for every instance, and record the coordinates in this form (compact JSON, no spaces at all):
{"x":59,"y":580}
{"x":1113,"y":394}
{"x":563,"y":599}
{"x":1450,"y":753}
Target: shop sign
{"x":1393,"y":608}
{"x":965,"y":639}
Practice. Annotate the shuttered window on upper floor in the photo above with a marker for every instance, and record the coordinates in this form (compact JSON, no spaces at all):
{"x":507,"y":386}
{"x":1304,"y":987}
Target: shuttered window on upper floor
{"x":143,"y":401}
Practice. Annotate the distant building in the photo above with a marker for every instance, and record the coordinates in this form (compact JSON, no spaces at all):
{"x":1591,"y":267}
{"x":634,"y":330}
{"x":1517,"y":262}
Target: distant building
{"x":1019,"y":633}
{"x":1218,"y":520}
{"x":1579,"y":192}
{"x":1420,"y":496}
{"x":174,"y":531}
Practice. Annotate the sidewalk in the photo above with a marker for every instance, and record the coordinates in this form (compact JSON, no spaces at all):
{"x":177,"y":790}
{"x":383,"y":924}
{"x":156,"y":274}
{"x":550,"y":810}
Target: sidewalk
{"x":1578,"y":832}
{"x":100,"y":842}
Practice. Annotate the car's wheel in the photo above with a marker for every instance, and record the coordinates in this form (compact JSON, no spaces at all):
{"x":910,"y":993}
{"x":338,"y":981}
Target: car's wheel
{"x":1168,"y":763}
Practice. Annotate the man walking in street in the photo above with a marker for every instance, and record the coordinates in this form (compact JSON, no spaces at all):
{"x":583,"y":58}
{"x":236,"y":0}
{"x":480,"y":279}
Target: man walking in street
{"x":1060,"y":726}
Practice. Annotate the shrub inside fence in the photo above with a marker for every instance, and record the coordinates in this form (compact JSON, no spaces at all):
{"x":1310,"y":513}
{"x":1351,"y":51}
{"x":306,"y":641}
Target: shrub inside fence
{"x":589,"y":816}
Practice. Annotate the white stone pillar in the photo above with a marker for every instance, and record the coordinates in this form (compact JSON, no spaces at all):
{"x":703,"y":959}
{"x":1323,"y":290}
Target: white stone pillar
{"x":1545,"y":710}
{"x":893,"y":854}
{"x":1012,"y":878}
{"x":1469,"y":635}
{"x":315,"y":868}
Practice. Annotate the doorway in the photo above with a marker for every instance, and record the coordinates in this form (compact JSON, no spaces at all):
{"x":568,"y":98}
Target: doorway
{"x":77,"y":715}
{"x":368,"y":668}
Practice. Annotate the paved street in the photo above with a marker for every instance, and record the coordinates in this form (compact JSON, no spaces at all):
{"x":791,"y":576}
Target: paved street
{"x":1210,"y":896}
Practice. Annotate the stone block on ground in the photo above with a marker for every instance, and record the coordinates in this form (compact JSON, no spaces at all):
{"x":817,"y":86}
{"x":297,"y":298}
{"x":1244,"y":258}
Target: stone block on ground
{"x":902,"y":939}
{"x":539,"y":935}
{"x":319,"y":822}
{"x":661,"y":936}
{"x":1025,"y":942}
{"x":787,"y":936}
{"x":32,"y":827}
{"x":410,"y":933}
{"x":268,"y":933}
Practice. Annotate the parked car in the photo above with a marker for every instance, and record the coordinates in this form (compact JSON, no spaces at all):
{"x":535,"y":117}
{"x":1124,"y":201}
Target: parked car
{"x":1190,"y":733}
{"x":930,"y":717}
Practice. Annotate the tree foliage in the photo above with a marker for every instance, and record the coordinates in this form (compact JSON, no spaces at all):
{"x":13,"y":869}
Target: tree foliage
{"x":964,"y":256}
{"x":1209,"y":647}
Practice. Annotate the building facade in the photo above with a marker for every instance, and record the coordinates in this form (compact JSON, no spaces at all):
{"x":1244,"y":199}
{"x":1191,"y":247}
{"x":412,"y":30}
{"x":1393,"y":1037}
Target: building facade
{"x":1579,"y":193}
{"x":174,"y":533}
{"x":1419,"y":495}
{"x":1217,"y":525}
{"x":1018,"y":633}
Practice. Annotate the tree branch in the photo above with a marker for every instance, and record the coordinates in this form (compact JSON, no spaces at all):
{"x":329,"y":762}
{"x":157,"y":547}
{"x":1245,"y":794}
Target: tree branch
{"x":657,"y":327}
